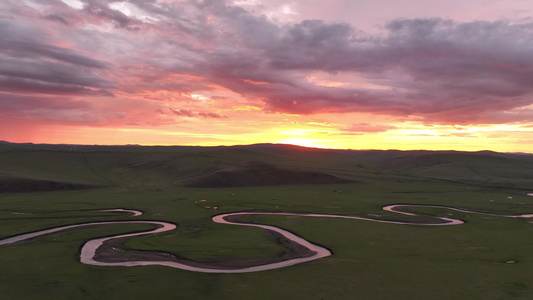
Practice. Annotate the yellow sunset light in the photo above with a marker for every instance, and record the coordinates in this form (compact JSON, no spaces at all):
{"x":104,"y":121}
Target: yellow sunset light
{"x":313,"y":143}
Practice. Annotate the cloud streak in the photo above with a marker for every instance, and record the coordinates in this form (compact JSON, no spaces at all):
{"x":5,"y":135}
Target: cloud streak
{"x":367,"y":127}
{"x":191,"y":114}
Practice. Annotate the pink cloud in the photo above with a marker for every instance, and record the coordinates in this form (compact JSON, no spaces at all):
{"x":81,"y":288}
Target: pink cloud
{"x":439,"y":70}
{"x":368,"y":128}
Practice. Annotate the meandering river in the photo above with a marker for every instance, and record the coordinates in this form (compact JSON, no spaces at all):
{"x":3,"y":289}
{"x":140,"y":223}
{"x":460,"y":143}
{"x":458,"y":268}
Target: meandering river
{"x":90,"y":248}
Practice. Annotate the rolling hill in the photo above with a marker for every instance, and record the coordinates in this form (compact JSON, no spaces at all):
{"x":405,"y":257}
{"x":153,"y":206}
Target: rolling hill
{"x":74,"y":166}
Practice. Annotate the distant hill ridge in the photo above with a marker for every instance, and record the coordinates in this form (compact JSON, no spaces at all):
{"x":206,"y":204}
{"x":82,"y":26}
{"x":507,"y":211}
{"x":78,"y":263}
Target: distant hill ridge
{"x":80,"y":166}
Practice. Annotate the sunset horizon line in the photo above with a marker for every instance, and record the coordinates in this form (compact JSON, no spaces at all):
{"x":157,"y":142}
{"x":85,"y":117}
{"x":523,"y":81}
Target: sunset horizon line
{"x":261,"y":144}
{"x":348,"y":74}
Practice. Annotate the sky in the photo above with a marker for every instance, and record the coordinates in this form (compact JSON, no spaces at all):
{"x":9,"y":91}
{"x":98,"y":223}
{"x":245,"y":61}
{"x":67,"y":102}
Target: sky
{"x":346,"y":74}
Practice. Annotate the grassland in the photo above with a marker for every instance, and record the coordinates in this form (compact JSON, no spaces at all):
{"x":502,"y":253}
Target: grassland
{"x":52,"y":185}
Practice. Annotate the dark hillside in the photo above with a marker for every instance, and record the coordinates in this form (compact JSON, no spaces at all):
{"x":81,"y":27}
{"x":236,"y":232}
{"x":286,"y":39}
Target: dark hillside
{"x":15,"y":184}
{"x":259,"y":174}
{"x":252,"y":165}
{"x":485,"y":167}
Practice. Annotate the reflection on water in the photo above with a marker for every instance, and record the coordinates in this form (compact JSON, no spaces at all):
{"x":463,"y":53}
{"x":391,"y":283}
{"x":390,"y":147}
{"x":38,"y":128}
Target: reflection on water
{"x":89,"y":249}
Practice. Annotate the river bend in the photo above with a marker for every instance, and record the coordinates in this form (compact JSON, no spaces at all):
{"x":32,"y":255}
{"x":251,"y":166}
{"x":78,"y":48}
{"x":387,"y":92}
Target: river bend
{"x":89,"y":249}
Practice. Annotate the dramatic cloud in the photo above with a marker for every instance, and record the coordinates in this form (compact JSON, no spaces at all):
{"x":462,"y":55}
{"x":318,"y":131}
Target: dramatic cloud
{"x":205,"y":59}
{"x":431,"y":68}
{"x":31,"y":64}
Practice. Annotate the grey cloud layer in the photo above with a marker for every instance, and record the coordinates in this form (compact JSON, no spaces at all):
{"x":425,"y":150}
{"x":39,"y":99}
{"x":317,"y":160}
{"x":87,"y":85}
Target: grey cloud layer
{"x":439,"y":70}
{"x":30,"y":64}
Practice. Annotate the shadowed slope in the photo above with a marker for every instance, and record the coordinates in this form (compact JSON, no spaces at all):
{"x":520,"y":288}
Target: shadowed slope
{"x":482,"y":168}
{"x":16,"y":184}
{"x":261,"y":174}
{"x":163,"y":167}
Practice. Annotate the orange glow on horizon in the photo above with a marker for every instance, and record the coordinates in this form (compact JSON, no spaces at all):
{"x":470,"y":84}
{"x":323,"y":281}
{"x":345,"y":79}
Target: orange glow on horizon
{"x":320,"y":74}
{"x":311,"y":143}
{"x":253,"y":126}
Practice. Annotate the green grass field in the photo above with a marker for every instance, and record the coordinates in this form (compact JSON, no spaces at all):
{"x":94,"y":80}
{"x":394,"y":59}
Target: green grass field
{"x":64,"y":184}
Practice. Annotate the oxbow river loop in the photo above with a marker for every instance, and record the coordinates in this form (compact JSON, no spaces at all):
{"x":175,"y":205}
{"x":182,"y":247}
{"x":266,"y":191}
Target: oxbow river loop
{"x":89,"y":249}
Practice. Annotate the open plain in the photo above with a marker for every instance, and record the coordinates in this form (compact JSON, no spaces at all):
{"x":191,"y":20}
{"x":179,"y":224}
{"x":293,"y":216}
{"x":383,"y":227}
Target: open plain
{"x":401,"y":256}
